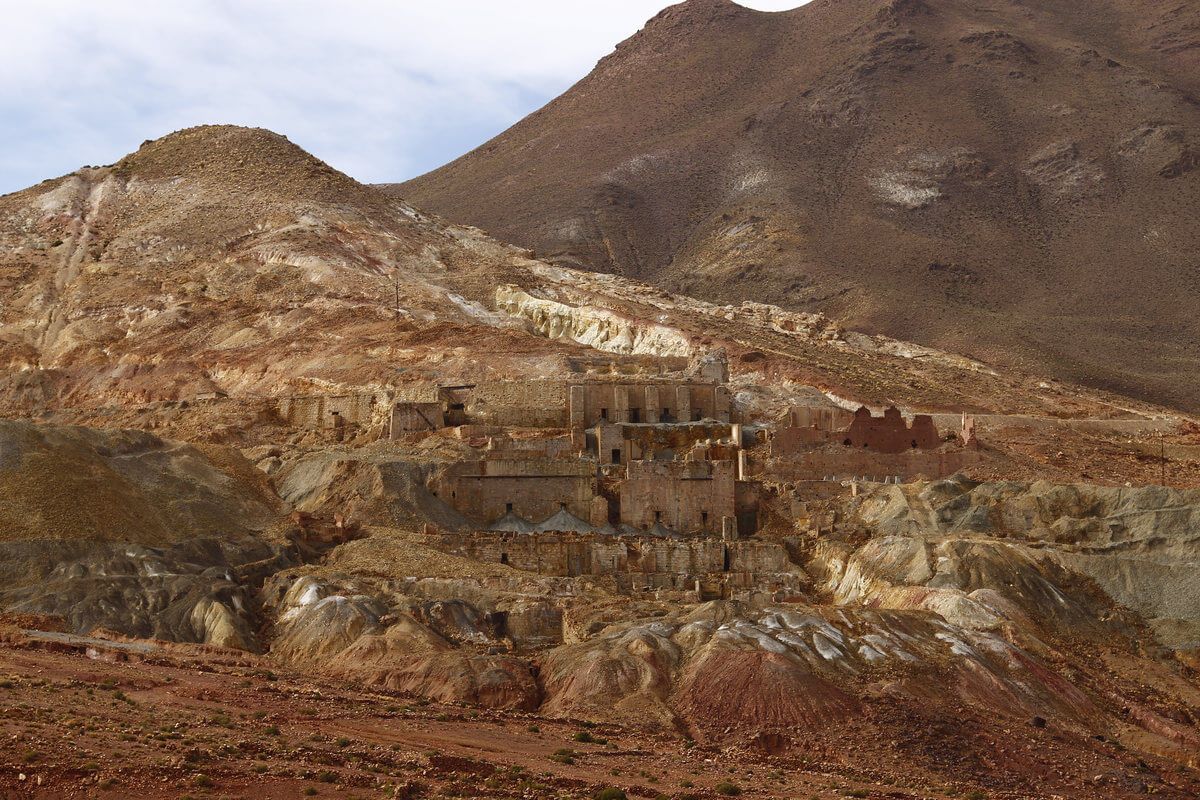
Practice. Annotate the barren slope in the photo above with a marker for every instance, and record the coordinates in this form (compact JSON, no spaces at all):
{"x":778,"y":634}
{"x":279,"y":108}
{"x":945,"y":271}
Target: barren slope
{"x":1016,"y":181}
{"x":227,"y":260}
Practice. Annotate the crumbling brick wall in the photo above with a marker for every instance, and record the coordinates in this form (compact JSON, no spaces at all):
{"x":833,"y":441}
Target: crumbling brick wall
{"x":889,"y":433}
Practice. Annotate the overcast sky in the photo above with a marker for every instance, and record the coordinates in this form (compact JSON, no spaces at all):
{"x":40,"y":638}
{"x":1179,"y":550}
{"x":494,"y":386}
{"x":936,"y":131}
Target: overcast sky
{"x":381,"y":90}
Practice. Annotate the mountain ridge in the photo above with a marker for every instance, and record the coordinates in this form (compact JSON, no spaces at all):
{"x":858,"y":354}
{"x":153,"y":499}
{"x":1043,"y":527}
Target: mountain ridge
{"x":984,"y":180}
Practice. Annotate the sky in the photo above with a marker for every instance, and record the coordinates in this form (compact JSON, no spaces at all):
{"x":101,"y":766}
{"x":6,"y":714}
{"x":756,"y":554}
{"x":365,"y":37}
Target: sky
{"x":383,"y":91}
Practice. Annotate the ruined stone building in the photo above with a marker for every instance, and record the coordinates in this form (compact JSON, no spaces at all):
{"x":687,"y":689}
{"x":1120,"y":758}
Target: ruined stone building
{"x":889,"y":433}
{"x":619,"y":453}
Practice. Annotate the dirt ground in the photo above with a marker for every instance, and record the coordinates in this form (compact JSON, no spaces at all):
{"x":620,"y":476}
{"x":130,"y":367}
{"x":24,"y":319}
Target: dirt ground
{"x":148,"y":721}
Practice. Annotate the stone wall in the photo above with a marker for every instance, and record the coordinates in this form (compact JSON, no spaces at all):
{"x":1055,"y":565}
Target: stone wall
{"x":533,"y":489}
{"x":683,"y":496}
{"x":822,"y":419}
{"x":573,"y":555}
{"x":846,"y":462}
{"x":889,"y":433}
{"x":518,"y":404}
{"x":620,"y":443}
{"x":410,"y":417}
{"x":592,"y":403}
{"x":332,"y":411}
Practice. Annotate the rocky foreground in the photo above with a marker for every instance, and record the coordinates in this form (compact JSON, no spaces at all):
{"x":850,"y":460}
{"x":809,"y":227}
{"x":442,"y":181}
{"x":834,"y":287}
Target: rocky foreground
{"x":1003,"y":639}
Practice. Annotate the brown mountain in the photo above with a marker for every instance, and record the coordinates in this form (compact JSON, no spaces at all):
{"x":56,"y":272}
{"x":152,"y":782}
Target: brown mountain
{"x":225,"y":260}
{"x":1017,"y":181}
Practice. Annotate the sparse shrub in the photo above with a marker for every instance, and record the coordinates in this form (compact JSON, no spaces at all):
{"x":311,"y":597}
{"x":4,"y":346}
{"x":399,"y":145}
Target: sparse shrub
{"x":857,"y":793}
{"x":611,"y":793}
{"x":686,"y":784}
{"x":202,"y":780}
{"x":587,"y":738}
{"x":975,"y":794}
{"x":261,"y":713}
{"x":728,"y":789}
{"x":342,"y":741}
{"x":309,"y":791}
{"x":30,"y":756}
{"x":325,"y":776}
{"x":534,"y":729}
{"x":271,"y":730}
{"x":105,"y":783}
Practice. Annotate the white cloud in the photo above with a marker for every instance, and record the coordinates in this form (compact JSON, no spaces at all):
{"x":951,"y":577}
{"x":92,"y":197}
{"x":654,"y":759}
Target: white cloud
{"x":382,"y":90}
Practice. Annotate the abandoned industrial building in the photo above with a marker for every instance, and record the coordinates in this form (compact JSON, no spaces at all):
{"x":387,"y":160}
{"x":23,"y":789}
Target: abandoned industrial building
{"x":624,"y":474}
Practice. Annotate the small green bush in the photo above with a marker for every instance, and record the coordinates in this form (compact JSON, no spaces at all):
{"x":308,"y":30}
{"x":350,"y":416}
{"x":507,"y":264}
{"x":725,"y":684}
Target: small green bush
{"x":611,"y":793}
{"x":728,"y":789}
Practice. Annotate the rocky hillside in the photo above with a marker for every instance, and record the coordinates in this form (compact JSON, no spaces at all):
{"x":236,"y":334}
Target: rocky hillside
{"x":227,"y":261}
{"x":1013,"y":181}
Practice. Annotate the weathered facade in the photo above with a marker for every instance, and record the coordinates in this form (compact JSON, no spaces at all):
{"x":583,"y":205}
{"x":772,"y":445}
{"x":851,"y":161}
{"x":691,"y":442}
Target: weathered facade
{"x":325,"y":412}
{"x":683,"y":496}
{"x":661,"y":402}
{"x":889,"y":433}
{"x":484,"y":491}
